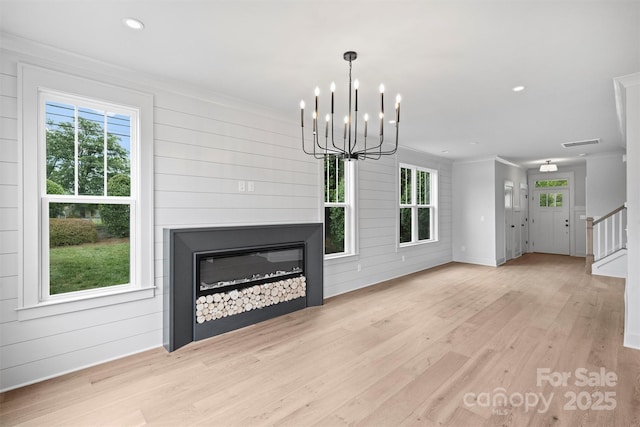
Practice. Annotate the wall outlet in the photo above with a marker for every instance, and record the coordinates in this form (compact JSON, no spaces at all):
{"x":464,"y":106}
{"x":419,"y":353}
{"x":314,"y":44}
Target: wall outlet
{"x":359,"y":267}
{"x":251,"y":186}
{"x":241,"y":186}
{"x":402,"y":258}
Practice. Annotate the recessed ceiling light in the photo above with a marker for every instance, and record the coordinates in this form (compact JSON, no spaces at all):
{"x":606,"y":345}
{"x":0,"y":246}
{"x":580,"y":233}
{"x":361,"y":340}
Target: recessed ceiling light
{"x":518,"y":88}
{"x":444,"y":151}
{"x":133,"y":23}
{"x":473,"y":143}
{"x":392,"y":122}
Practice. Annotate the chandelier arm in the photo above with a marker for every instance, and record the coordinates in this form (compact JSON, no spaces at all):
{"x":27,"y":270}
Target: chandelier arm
{"x":375,"y":147}
{"x":317,"y":155}
{"x":325,"y":150}
{"x":395,"y":148}
{"x":333,"y":141}
{"x":304,"y":149}
{"x":355,"y":133}
{"x":370,"y":154}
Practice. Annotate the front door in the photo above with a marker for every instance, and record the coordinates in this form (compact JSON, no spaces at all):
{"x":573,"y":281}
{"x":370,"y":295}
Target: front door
{"x":550,"y":223}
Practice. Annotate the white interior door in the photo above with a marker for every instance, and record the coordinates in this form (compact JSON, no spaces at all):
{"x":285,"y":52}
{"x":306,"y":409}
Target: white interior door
{"x":550,"y":227}
{"x":509,"y":221}
{"x":524,"y":219}
{"x":517,"y":233}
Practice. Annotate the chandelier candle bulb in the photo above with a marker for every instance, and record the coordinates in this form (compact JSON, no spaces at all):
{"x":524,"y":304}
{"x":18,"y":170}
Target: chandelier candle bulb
{"x":356,"y":85}
{"x":366,"y":120}
{"x":315,"y":122}
{"x":346,"y":120}
{"x":326,"y":127}
{"x":333,"y":90}
{"x":381,"y":98}
{"x":398,"y":99}
{"x":302,"y":113}
{"x":317,"y":92}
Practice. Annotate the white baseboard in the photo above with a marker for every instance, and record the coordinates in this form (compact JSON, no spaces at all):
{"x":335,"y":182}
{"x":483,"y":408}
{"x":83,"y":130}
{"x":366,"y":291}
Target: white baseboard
{"x":632,"y":340}
{"x":480,"y":261}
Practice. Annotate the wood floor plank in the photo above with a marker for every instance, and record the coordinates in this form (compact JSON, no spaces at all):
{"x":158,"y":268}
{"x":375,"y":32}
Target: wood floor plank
{"x":405,"y":352}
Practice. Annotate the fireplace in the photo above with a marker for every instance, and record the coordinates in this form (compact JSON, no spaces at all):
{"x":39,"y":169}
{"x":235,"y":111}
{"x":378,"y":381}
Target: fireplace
{"x":223,"y":278}
{"x":233,"y":269}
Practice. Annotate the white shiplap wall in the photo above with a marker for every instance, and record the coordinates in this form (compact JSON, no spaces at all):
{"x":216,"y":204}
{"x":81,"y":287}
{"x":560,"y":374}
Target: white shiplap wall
{"x":379,"y":257}
{"x":204,"y":145}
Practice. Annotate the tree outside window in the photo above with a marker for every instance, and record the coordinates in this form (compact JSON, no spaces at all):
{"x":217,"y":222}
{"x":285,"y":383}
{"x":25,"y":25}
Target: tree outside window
{"x":337,"y":205}
{"x":88,"y":192}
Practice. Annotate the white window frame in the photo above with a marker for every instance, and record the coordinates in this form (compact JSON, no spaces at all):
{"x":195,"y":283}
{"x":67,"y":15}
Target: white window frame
{"x":414,"y":205}
{"x":34,"y":301}
{"x":349,"y":204}
{"x":46,"y":199}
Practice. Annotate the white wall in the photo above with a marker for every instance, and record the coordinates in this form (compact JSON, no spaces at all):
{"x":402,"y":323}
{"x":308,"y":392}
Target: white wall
{"x":631,"y":104}
{"x":606,"y":183}
{"x":380,"y":258}
{"x":204,"y":145}
{"x":202,"y":149}
{"x":474,"y":212}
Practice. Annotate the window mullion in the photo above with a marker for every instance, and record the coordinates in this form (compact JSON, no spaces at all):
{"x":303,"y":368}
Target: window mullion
{"x":75,"y":149}
{"x":414,"y":205}
{"x":104,"y":153}
{"x":327,"y":194}
{"x":336,"y":177}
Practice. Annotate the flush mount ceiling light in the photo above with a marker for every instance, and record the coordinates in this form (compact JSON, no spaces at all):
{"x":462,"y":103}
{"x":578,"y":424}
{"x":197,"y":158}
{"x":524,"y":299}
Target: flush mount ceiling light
{"x":133,"y":23}
{"x":350,"y":148}
{"x":548,"y":167}
{"x":518,"y":88}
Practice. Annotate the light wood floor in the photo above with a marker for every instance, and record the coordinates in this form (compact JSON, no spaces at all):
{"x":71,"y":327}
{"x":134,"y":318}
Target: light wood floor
{"x":427,"y":349}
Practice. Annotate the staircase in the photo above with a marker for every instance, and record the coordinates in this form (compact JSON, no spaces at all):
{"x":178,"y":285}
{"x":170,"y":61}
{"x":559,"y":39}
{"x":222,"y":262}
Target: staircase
{"x":607,"y":244}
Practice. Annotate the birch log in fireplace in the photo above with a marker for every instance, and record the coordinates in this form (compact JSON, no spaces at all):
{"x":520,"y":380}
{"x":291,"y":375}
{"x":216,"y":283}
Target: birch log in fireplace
{"x":219,"y":279}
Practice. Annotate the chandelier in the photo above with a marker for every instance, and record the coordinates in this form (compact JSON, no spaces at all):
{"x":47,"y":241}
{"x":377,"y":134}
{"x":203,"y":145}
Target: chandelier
{"x":349,"y":148}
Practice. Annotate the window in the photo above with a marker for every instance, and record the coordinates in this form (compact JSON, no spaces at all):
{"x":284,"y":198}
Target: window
{"x":552,"y":183}
{"x":87,"y":168}
{"x":90,"y":225}
{"x":417,"y":205}
{"x":551,"y":200}
{"x":338,"y":207}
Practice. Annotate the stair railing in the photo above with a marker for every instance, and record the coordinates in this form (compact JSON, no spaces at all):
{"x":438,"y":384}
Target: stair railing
{"x":606,"y":235}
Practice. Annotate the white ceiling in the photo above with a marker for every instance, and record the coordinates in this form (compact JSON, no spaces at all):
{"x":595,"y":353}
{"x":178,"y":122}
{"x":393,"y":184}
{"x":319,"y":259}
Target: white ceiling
{"x":453,"y":62}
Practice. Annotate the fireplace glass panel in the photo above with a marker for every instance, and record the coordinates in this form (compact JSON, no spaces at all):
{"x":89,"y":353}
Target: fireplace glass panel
{"x":239,"y":269}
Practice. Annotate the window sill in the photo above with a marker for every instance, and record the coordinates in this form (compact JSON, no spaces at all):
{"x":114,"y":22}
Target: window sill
{"x":411,"y":244}
{"x":339,"y":256}
{"x":54,"y":308}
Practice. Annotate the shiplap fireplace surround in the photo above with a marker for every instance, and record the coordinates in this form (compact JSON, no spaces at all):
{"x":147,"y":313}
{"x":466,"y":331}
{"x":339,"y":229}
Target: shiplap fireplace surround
{"x":185,"y":299}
